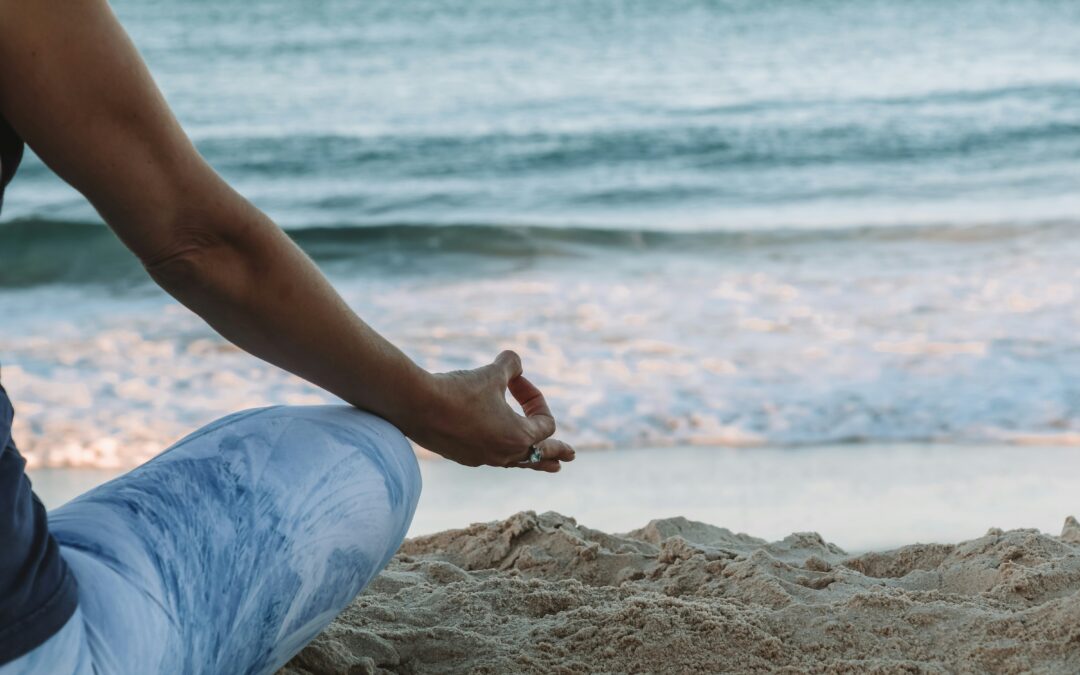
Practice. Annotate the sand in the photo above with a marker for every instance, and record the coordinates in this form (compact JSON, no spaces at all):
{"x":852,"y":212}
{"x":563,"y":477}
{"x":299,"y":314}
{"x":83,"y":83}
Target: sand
{"x":542,"y":594}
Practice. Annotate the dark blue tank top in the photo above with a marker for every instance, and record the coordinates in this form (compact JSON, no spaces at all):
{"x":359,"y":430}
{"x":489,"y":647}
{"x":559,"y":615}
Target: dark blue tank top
{"x":37,"y":590}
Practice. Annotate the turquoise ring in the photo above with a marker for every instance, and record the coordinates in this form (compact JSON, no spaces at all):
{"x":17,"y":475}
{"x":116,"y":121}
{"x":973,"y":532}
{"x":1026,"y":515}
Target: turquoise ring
{"x":535,"y":454}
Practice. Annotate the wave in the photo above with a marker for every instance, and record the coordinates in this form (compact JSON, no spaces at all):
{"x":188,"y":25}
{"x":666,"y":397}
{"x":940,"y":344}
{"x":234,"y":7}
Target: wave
{"x":35,"y":251}
{"x":806,"y":135}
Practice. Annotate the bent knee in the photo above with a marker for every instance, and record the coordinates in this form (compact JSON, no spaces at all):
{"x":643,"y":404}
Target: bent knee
{"x":297,"y":452}
{"x":346,"y":428}
{"x":359,"y":468}
{"x":345,"y":439}
{"x":329,"y":417}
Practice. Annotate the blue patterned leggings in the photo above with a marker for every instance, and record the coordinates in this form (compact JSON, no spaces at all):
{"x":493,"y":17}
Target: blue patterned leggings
{"x":234,"y":548}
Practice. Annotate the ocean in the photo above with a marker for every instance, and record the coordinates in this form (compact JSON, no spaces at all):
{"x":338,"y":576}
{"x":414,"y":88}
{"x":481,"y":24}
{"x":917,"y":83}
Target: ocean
{"x":700,"y":222}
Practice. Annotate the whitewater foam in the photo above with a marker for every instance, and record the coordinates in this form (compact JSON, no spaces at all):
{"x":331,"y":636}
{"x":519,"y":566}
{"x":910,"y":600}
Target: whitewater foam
{"x":918,"y":339}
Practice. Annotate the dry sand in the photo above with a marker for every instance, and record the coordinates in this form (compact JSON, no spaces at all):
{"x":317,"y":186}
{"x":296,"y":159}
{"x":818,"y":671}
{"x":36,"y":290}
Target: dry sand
{"x":542,"y":594}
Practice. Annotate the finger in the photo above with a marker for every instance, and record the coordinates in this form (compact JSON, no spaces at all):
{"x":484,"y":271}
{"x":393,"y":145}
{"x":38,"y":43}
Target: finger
{"x":547,"y":466}
{"x":530,"y":398}
{"x":540,"y":423}
{"x":551,"y":450}
{"x":555,"y":449}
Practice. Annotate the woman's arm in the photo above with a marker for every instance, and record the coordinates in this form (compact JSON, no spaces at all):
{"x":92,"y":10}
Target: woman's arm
{"x":73,"y":85}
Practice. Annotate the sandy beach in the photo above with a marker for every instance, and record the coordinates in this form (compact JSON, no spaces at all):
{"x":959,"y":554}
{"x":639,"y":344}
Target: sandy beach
{"x":545,"y":594}
{"x":528,"y":593}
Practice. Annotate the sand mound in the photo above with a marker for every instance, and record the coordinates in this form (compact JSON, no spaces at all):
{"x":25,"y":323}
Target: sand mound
{"x":542,"y":594}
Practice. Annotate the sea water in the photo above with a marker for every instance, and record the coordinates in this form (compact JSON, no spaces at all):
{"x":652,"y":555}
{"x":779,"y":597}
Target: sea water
{"x":707,"y":222}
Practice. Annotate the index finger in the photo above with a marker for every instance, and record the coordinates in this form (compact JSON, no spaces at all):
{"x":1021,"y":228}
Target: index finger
{"x":535,"y":407}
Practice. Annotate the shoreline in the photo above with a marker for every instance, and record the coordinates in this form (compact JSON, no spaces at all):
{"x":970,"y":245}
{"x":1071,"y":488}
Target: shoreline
{"x":870,"y":497}
{"x":931,"y":559}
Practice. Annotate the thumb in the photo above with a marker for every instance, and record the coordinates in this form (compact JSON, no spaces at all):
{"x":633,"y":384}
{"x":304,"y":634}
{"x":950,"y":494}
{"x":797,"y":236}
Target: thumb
{"x":508,"y":365}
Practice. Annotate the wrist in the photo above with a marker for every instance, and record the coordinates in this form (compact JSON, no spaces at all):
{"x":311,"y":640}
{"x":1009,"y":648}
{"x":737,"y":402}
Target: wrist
{"x":418,"y":400}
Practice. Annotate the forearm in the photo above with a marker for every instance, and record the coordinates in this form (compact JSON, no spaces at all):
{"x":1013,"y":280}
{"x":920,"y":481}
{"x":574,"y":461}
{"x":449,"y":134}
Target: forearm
{"x":251,"y":283}
{"x":74,"y":87}
{"x":85,"y":102}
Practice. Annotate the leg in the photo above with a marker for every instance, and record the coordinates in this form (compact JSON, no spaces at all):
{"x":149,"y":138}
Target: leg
{"x":234,"y":548}
{"x":66,"y":652}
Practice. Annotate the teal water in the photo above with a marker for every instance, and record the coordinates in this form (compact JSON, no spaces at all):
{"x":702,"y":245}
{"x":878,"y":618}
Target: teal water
{"x":691,"y":114}
{"x":700,"y":221}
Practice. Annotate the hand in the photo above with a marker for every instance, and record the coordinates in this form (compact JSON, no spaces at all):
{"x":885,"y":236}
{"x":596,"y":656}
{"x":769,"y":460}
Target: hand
{"x":466,"y":418}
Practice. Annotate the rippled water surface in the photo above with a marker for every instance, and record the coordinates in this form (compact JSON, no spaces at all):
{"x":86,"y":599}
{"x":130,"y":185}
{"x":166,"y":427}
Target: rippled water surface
{"x":734,"y":223}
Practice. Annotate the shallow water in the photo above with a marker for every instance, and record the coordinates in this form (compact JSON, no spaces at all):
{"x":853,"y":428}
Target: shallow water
{"x":860,"y":498}
{"x":718,"y":223}
{"x":973,"y":340}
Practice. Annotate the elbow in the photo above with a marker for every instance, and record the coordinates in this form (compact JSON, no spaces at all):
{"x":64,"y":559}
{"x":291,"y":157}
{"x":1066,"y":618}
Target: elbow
{"x":203,"y":238}
{"x":185,"y":263}
{"x":223,"y":255}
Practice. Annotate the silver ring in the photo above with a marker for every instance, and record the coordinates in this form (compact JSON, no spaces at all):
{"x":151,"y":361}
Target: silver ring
{"x":535,"y":454}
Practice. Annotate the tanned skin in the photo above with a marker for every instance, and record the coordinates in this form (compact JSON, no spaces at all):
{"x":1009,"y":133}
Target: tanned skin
{"x":75,"y":88}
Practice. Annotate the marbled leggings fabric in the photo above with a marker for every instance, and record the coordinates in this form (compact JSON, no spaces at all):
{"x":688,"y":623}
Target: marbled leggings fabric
{"x":230,"y":551}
